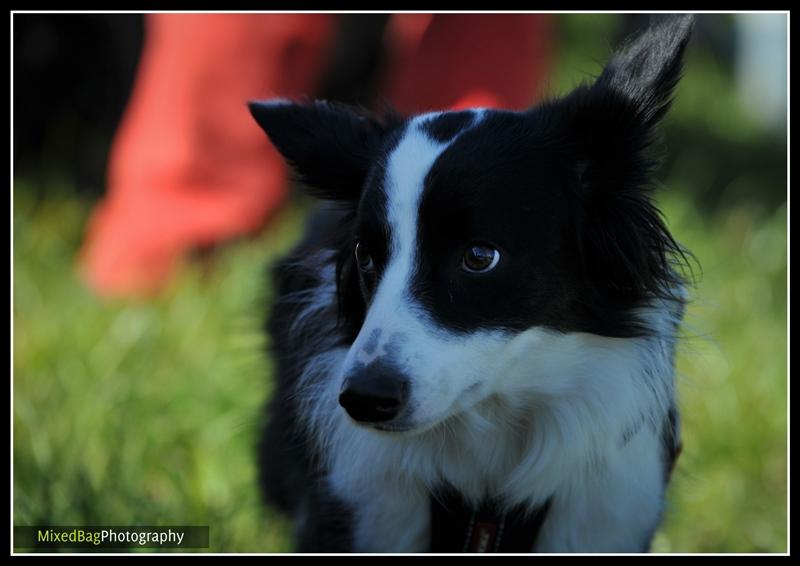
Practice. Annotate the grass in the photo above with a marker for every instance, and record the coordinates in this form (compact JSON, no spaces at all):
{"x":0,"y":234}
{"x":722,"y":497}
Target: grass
{"x":147,"y":412}
{"x":729,"y":490}
{"x":139,"y":413}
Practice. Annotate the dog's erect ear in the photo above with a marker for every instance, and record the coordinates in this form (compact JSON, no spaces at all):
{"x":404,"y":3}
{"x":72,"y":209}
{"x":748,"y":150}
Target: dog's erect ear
{"x":611,"y":125}
{"x":621,"y":109}
{"x":612,"y":122}
{"x":646,"y":68}
{"x":330,"y":147}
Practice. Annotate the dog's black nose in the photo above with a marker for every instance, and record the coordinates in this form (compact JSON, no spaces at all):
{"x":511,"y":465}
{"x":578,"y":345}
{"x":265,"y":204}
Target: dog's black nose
{"x":374,"y":393}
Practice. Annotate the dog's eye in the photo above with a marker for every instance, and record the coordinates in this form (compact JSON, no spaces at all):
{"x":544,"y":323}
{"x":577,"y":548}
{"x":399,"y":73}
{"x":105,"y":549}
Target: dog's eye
{"x":363,"y":257}
{"x":480,"y":259}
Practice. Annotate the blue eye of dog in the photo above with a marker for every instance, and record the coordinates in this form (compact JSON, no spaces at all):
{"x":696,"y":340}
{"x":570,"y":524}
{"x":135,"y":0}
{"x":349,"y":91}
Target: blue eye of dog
{"x":363,"y":257}
{"x":480,"y":259}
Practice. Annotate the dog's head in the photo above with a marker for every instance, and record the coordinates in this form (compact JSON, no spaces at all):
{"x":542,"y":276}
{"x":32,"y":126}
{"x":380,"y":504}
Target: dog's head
{"x":480,"y":235}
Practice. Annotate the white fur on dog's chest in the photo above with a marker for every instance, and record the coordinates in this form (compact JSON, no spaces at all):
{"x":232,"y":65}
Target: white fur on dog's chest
{"x":612,"y":509}
{"x":581,"y":425}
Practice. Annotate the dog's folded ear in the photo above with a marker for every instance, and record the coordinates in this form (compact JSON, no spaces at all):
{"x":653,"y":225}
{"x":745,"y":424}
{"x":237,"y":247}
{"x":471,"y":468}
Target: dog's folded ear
{"x":329,"y":146}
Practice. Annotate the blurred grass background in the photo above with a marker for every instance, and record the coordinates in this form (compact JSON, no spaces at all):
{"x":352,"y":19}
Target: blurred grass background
{"x":134,"y":412}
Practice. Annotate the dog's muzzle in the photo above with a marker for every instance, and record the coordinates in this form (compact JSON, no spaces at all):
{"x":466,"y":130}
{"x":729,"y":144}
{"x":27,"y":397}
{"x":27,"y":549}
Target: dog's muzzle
{"x":374,"y":393}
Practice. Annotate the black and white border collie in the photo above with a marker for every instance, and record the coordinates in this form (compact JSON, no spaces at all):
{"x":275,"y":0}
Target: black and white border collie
{"x":475,"y":340}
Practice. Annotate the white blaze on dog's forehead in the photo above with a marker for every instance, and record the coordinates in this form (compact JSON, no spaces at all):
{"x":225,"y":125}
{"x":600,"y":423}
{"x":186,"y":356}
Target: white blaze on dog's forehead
{"x":406,"y":170}
{"x":391,"y":310}
{"x":407,"y":167}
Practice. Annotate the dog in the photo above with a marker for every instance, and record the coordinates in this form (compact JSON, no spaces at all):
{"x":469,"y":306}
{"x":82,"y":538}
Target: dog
{"x":474,"y":341}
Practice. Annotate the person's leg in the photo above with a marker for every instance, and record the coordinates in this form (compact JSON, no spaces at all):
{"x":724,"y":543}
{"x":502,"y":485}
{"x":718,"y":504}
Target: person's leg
{"x":448,"y":61}
{"x":189,"y":167}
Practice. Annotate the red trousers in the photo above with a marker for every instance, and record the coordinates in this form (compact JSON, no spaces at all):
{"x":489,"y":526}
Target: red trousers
{"x":190,"y":168}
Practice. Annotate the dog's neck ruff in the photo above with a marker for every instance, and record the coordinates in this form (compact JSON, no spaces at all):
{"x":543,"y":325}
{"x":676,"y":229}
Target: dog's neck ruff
{"x":456,"y":526}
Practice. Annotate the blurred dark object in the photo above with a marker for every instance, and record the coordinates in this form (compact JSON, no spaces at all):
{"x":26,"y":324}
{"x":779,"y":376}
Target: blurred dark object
{"x":728,"y":172}
{"x":73,"y":74}
{"x":72,"y":77}
{"x":355,"y":70}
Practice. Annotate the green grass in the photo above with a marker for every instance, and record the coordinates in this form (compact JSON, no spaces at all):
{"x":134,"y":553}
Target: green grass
{"x":147,"y":412}
{"x":139,"y":412}
{"x":729,"y":490}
